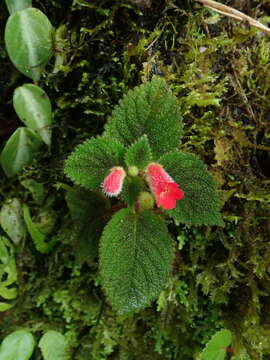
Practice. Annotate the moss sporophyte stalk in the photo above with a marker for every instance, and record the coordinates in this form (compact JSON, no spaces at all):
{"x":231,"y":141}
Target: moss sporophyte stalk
{"x":136,"y":162}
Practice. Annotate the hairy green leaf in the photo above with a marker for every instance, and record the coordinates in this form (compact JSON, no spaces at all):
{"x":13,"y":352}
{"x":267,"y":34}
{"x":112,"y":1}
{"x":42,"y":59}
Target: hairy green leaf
{"x":200,"y":204}
{"x":29,"y":41}
{"x":88,"y":214}
{"x":135,"y":259}
{"x":139,"y":154}
{"x":19,"y":150}
{"x":91,"y":162}
{"x":11,"y":220}
{"x":18,"y":345}
{"x":131,"y":190}
{"x":216,"y":348}
{"x":53,"y":345}
{"x":149,"y":109}
{"x":17,"y":5}
{"x":33,"y":107}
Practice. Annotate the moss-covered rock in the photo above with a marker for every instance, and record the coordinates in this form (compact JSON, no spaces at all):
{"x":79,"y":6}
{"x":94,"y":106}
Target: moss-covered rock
{"x":218,"y":68}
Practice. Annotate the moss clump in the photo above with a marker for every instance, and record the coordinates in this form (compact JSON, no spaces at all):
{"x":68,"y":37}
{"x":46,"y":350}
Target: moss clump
{"x":218,"y":69}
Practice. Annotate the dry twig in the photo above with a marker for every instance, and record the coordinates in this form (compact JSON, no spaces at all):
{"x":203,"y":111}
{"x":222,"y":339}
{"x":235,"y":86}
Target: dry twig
{"x":235,"y":14}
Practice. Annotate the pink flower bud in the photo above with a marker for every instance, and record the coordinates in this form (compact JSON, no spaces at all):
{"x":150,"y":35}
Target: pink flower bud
{"x":113,"y":183}
{"x":165,"y":190}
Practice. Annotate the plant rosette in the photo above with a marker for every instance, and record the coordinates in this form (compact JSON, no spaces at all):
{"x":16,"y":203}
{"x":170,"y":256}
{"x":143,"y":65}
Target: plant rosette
{"x":137,"y":162}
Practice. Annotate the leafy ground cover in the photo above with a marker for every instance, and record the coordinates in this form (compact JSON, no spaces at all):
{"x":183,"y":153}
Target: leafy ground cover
{"x":218,"y":70}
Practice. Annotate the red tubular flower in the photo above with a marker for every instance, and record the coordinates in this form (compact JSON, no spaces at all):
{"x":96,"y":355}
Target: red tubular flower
{"x":113,"y":183}
{"x":165,"y":190}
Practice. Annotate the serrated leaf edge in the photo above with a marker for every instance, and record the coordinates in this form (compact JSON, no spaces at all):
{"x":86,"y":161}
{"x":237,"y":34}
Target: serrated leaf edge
{"x":116,"y":141}
{"x":134,"y":143}
{"x":154,"y":296}
{"x":204,"y":166}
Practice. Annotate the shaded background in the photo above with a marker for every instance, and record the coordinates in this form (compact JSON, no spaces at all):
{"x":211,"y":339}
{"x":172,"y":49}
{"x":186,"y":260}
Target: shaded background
{"x":219,"y":70}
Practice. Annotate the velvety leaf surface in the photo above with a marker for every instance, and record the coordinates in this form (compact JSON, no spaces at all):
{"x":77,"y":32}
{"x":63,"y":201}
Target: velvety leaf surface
{"x":216,"y":348}
{"x":18,"y":345}
{"x":139,"y":154}
{"x":200,"y":204}
{"x":135,"y":259}
{"x":149,"y":109}
{"x":29,"y":41}
{"x":16,"y":5}
{"x":91,"y":161}
{"x":33,"y":107}
{"x":88,"y":214}
{"x":53,"y":346}
{"x":131,"y":190}
{"x":19,"y":150}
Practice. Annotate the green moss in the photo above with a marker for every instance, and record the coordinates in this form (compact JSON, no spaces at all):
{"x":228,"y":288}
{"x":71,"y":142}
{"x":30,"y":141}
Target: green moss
{"x":219,"y":70}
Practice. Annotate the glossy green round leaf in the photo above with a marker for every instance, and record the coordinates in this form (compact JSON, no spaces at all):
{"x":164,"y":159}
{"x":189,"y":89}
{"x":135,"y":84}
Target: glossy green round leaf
{"x":8,"y":293}
{"x":216,"y":348}
{"x":18,"y":345}
{"x":53,"y":345}
{"x":33,"y":107}
{"x":16,"y":5}
{"x":11,"y":220}
{"x":19,"y":150}
{"x":29,"y":41}
{"x":5,"y":307}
